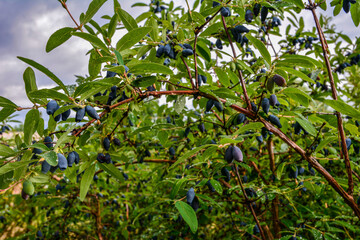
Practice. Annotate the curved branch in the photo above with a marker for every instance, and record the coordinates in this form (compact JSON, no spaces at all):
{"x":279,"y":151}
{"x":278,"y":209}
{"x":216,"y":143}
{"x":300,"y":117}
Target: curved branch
{"x":313,"y":162}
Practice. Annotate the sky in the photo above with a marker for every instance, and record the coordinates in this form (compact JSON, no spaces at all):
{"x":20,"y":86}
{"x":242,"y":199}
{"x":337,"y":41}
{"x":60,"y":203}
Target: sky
{"x":25,"y":27}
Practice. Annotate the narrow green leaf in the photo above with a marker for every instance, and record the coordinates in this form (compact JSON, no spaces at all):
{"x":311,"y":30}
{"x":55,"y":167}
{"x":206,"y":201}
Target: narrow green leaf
{"x":216,"y":185}
{"x":30,"y":125}
{"x":14,"y":165}
{"x":58,"y":38}
{"x":86,"y":181}
{"x":203,"y":50}
{"x":30,"y":81}
{"x":176,"y":187}
{"x":303,"y":60}
{"x":132,"y":37}
{"x":307,"y":126}
{"x":95,"y":41}
{"x":144,"y":81}
{"x":94,"y":6}
{"x":6,"y":103}
{"x":188,"y":215}
{"x":298,"y":96}
{"x":112,"y":170}
{"x":355,"y":13}
{"x":6,"y":112}
{"x":261,"y":47}
{"x":119,"y":57}
{"x":325,"y":142}
{"x":112,"y":26}
{"x":189,"y":154}
{"x":128,"y":21}
{"x":148,"y":67}
{"x":49,"y":93}
{"x":46,"y":71}
{"x":247,"y":127}
{"x":297,"y":73}
{"x":343,"y":108}
{"x":5,"y":150}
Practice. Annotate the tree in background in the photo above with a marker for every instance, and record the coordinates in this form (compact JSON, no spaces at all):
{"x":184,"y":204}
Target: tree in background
{"x":200,"y":129}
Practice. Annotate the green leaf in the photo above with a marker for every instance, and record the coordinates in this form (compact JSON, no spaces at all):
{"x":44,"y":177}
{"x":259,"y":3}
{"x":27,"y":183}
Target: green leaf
{"x":148,"y":67}
{"x":247,"y":127}
{"x":216,"y":185}
{"x":58,"y":38}
{"x":223,"y":77}
{"x":119,"y":58}
{"x":132,"y":37}
{"x":6,"y":112}
{"x":300,"y":60}
{"x":128,"y":21}
{"x":212,"y":29}
{"x":30,"y":81}
{"x":40,"y":178}
{"x":49,"y":93}
{"x":5,"y":150}
{"x":325,"y":142}
{"x":30,"y":125}
{"x":343,"y":108}
{"x":297,"y":3}
{"x":112,"y":170}
{"x":298,"y":95}
{"x":355,"y":13}
{"x":94,"y":6}
{"x":297,"y":73}
{"x":163,"y":137}
{"x":6,"y":103}
{"x":188,"y":215}
{"x":307,"y":126}
{"x":95,"y":41}
{"x":46,"y":71}
{"x":50,"y":157}
{"x":144,"y":81}
{"x":86,"y":181}
{"x":14,"y":165}
{"x":203,"y":50}
{"x":189,"y":154}
{"x":261,"y":47}
{"x":176,"y":187}
{"x":112,"y":26}
{"x":180,"y":104}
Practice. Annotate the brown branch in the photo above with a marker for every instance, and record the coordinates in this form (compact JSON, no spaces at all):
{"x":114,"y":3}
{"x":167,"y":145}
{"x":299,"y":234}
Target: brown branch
{"x":335,"y":97}
{"x":239,"y":72}
{"x":189,"y":72}
{"x":335,"y":185}
{"x":275,"y":201}
{"x":195,"y":62}
{"x":250,"y":205}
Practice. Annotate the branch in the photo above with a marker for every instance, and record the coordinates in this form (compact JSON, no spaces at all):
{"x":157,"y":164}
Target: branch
{"x":189,"y":72}
{"x":313,"y":162}
{"x":239,"y":72}
{"x":250,"y":205}
{"x":335,"y":97}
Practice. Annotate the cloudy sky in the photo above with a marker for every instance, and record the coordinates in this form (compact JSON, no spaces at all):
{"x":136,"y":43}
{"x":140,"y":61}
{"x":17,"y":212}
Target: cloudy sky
{"x":25,"y":27}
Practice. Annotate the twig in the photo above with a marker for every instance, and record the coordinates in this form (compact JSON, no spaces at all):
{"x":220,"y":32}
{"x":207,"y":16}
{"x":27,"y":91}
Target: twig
{"x":250,"y":206}
{"x":189,"y":72}
{"x":335,"y":97}
{"x":239,"y":72}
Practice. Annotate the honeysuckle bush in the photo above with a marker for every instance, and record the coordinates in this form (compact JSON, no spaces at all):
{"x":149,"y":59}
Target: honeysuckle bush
{"x":193,"y":123}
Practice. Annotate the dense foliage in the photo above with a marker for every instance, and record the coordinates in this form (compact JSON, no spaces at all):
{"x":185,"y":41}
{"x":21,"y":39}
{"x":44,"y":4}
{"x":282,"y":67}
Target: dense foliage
{"x":202,"y":127}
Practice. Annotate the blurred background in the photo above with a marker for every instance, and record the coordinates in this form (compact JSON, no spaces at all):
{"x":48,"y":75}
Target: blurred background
{"x":25,"y":27}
